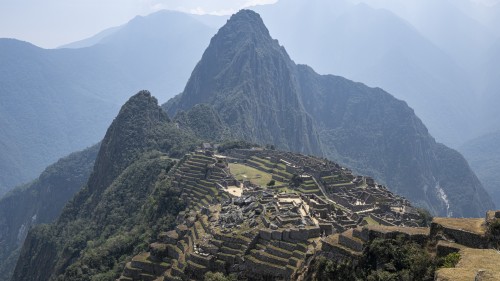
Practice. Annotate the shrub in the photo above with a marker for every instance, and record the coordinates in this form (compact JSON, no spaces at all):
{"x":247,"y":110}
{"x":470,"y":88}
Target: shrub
{"x":494,"y":228}
{"x":450,"y":260}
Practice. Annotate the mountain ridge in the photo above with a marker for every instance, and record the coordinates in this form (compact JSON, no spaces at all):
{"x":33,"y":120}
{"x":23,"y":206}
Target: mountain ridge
{"x":38,"y":202}
{"x":115,"y":209}
{"x":56,"y":101}
{"x":364,"y":128}
{"x":483,"y":155}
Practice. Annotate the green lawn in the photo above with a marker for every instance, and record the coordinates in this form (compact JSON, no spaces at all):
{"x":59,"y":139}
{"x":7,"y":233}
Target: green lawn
{"x":243,"y":172}
{"x":370,"y":221}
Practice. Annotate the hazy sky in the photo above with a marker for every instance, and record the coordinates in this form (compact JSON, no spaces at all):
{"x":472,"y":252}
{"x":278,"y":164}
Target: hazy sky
{"x":51,"y":23}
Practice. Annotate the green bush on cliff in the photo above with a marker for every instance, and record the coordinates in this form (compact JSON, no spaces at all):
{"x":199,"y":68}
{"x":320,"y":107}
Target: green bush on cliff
{"x":494,"y":228}
{"x":382,"y":260}
{"x":450,"y":260}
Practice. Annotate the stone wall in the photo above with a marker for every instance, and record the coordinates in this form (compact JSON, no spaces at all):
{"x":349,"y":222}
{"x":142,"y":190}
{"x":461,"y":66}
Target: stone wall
{"x":380,"y":221}
{"x":290,"y":234}
{"x":460,"y":236}
{"x":417,"y":235}
{"x":266,"y":269}
{"x":444,"y":248}
{"x":350,"y":243}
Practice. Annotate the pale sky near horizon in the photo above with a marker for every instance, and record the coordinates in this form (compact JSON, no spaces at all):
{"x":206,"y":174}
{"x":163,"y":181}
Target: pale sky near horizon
{"x":52,"y":23}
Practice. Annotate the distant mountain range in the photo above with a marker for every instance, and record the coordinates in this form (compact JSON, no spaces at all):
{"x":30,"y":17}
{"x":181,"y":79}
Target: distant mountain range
{"x":483,"y":154}
{"x":408,"y":59}
{"x":157,"y":52}
{"x":53,"y":102}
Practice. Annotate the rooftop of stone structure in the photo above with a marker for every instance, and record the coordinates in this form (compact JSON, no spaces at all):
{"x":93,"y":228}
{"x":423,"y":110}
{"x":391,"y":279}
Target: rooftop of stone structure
{"x":471,"y":262}
{"x":475,"y":225}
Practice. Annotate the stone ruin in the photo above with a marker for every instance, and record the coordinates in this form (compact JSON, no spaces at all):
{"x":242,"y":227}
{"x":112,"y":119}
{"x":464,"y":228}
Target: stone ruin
{"x":264,"y":233}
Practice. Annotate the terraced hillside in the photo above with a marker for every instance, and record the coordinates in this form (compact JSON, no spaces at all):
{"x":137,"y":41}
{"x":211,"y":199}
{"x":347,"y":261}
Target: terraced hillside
{"x":264,"y":230}
{"x":267,"y":232}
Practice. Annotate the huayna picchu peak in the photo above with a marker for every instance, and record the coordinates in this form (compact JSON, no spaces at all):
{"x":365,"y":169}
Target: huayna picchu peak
{"x":249,"y":80}
{"x":262,"y":96}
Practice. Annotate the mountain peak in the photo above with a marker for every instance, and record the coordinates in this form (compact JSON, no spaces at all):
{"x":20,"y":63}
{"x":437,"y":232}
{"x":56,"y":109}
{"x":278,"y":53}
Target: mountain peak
{"x":242,"y":74}
{"x":241,"y":51}
{"x":131,"y":131}
{"x":244,"y":28}
{"x":247,"y":17}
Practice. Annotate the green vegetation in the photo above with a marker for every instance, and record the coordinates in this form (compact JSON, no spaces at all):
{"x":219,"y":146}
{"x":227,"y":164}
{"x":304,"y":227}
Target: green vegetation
{"x":425,"y":217}
{"x":203,"y":121}
{"x":40,"y":201}
{"x":235,"y":144}
{"x":101,"y":241}
{"x":397,"y":259}
{"x":333,"y":270}
{"x":382,"y":259}
{"x":494,"y":228}
{"x":127,"y":201}
{"x":371,"y":221}
{"x":243,"y":172}
{"x":129,"y":197}
{"x":493,"y":232}
{"x":271,"y":183}
{"x":450,"y":260}
{"x":296,"y":180}
{"x":217,"y":276}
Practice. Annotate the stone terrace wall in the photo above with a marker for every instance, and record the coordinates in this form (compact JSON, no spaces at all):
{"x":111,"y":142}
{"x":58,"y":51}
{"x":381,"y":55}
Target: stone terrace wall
{"x":460,"y":236}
